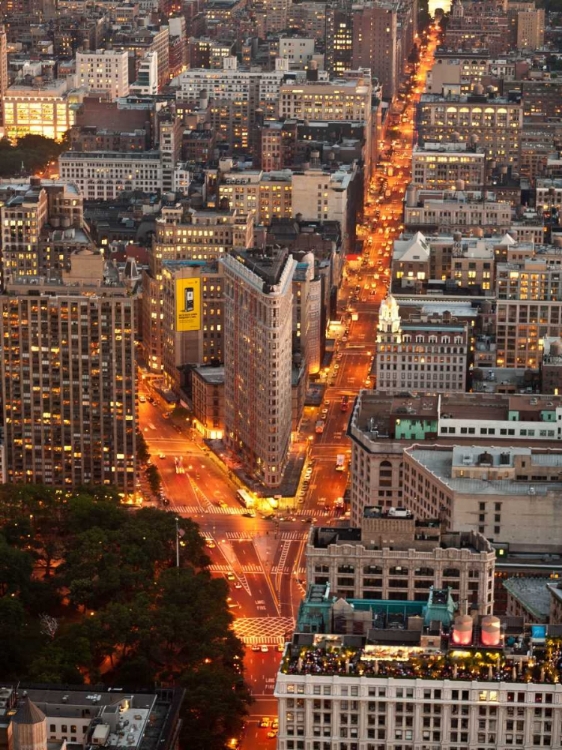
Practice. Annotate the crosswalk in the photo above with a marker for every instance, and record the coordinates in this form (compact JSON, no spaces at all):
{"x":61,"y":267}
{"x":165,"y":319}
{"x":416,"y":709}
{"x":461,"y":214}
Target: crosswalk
{"x":293,"y":536}
{"x":194,"y":510}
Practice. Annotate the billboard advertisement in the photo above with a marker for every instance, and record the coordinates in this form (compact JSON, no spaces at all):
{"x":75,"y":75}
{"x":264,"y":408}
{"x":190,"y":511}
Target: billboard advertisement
{"x":188,"y":304}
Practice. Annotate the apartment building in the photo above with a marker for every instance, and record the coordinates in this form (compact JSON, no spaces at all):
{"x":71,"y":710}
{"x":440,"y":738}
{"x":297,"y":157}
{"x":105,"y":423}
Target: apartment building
{"x":258,"y":345}
{"x":309,"y":19}
{"x":440,"y":166}
{"x":339,"y":36}
{"x":494,"y":123}
{"x":42,"y":226}
{"x":138,"y":42}
{"x":456,"y":260}
{"x":483,"y":686}
{"x":382,"y":426}
{"x":450,"y":210}
{"x":509,"y":494}
{"x":528,"y":309}
{"x":475,"y":25}
{"x":193,"y":317}
{"x":348,"y":98}
{"x":68,"y":378}
{"x":104,"y":71}
{"x":421,"y":352}
{"x":235,"y":95}
{"x":398,"y":557}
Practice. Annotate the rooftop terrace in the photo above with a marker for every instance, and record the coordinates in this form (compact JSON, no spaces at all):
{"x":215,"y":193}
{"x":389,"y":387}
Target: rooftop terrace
{"x":520,"y":660}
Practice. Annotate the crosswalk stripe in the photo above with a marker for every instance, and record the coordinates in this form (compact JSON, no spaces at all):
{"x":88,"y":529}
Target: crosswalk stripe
{"x":211,"y":510}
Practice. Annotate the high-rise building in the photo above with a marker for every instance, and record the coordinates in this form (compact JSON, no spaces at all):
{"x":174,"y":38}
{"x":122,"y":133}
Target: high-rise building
{"x":68,"y":378}
{"x":193,"y":319}
{"x":258,"y":357}
{"x":105,"y":70}
{"x":375,"y":43}
{"x":339,"y":37}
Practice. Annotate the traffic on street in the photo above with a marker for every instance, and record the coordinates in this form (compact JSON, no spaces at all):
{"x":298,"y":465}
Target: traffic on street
{"x":262,"y":555}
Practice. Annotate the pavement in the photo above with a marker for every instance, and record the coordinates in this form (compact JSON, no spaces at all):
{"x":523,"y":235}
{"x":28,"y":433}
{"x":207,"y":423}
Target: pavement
{"x":263,"y":560}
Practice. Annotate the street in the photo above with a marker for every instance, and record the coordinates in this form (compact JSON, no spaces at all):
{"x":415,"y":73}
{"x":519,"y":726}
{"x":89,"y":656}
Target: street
{"x":263,"y":559}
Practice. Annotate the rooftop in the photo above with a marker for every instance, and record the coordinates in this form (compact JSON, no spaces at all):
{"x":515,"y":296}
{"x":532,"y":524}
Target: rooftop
{"x":407,"y":652}
{"x":532,"y":593}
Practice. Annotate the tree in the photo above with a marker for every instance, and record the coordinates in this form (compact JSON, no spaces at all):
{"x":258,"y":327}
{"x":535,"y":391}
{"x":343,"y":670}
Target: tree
{"x":143,"y":454}
{"x":154,"y":480}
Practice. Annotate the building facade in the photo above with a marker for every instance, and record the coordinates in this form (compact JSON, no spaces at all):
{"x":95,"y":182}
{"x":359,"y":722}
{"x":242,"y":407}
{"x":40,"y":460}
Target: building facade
{"x":104,"y":71}
{"x":258,"y":344}
{"x":427,"y":354}
{"x":68,"y":380}
{"x":400,"y":559}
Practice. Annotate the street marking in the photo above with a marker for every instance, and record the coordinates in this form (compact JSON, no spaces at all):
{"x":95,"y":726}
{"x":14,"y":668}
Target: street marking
{"x":266,"y":630}
{"x":211,"y":510}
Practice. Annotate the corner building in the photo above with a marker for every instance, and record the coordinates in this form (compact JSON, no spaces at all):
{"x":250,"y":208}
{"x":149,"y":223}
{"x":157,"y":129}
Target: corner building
{"x":258,"y":299}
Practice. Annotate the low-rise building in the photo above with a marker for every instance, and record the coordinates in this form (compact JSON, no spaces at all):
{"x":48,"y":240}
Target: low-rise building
{"x":382,"y":426}
{"x":421,"y":352}
{"x":207,"y":401}
{"x":47,"y":109}
{"x":528,"y":598}
{"x":455,"y":210}
{"x":394,"y":556}
{"x":441,"y":165}
{"x":510,"y":494}
{"x":58,"y":715}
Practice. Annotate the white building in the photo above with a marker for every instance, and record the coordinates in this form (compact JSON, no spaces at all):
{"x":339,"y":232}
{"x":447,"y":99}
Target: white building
{"x":404,"y":688}
{"x":319,"y":195}
{"x":447,"y":210}
{"x":427,"y":353}
{"x":298,"y":51}
{"x":104,"y":70}
{"x":442,"y":165}
{"x":147,"y":76}
{"x":102,"y":175}
{"x":257,"y":360}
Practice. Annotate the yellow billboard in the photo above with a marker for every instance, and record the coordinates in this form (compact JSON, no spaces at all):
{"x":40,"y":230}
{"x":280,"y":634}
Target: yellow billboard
{"x":188,"y":304}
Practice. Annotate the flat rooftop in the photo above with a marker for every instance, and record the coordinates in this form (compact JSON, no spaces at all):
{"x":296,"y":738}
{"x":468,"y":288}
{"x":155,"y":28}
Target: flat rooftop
{"x":532,"y":593}
{"x":440,"y":462}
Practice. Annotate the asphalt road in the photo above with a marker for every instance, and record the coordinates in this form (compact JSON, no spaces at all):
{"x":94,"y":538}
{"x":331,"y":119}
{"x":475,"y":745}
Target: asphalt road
{"x":263,"y":559}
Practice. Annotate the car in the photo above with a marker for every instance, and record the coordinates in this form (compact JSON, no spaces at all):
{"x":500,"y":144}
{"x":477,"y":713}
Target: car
{"x":324,"y":412}
{"x":264,"y":649}
{"x":237,"y":585}
{"x":162,"y":455}
{"x":271,"y":734}
{"x":166,"y":415}
{"x":265,"y":723}
{"x":306,"y":520}
{"x":233,"y":605}
{"x":255,"y":648}
{"x":249,"y":514}
{"x":231,"y":576}
{"x":275,"y":724}
{"x":142,"y":399}
{"x":210,"y":544}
